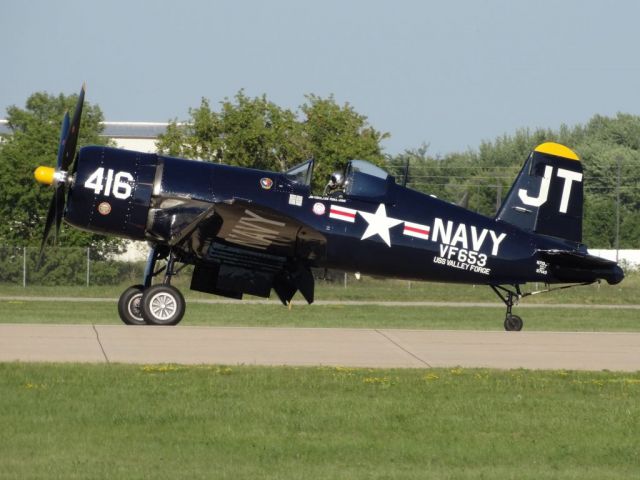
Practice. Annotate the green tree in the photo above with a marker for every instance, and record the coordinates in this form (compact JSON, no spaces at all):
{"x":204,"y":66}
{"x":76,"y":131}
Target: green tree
{"x":34,"y":141}
{"x":256,"y":133}
{"x":247,"y":132}
{"x":337,"y":134}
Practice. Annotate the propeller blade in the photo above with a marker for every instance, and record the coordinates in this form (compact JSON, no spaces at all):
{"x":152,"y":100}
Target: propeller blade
{"x":59,"y":199}
{"x":51,"y":215}
{"x":74,"y":165}
{"x":64,"y":131}
{"x":56,"y":209}
{"x":71,"y":141}
{"x":66,"y":155}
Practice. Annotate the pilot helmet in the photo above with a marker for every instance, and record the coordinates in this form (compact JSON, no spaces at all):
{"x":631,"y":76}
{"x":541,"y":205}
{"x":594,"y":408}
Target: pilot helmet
{"x":336,"y":179}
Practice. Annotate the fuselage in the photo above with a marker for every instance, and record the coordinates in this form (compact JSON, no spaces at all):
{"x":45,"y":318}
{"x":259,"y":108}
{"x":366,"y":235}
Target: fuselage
{"x":384,"y":229}
{"x":257,"y":232}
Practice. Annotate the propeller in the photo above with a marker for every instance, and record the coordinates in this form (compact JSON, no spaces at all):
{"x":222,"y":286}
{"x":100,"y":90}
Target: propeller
{"x":58,"y":177}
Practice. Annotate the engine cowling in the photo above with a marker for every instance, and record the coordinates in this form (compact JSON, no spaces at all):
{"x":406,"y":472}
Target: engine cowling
{"x":111,"y":191}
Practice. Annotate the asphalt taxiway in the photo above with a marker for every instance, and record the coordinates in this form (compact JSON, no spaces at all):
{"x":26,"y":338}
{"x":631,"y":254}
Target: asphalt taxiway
{"x":386,"y":348}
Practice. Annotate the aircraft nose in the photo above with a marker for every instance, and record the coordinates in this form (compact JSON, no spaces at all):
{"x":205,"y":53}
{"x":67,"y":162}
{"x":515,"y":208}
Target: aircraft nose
{"x":44,"y":175}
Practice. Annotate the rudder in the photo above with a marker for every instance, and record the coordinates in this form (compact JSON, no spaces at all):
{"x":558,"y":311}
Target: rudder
{"x":547,"y":196}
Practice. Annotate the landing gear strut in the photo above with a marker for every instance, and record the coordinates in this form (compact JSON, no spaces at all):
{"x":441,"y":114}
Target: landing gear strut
{"x":512,"y":323}
{"x":148,"y":304}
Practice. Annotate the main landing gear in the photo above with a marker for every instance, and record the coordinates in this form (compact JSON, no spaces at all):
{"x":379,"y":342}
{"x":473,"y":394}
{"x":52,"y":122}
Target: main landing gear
{"x":512,"y":323}
{"x":160,"y":304}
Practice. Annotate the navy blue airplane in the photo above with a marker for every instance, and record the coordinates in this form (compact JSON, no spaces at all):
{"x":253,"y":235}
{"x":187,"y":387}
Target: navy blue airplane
{"x":251,"y":231}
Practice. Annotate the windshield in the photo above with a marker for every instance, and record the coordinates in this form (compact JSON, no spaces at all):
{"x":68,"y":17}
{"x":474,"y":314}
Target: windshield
{"x":301,"y":173}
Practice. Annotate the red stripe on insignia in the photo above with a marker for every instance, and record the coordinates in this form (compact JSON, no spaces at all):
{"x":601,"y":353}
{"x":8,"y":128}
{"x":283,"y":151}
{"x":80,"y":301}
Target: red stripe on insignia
{"x":416,"y":230}
{"x":343,"y":213}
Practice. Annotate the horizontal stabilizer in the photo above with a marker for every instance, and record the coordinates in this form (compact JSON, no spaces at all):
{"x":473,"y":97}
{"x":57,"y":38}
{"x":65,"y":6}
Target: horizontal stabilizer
{"x":571,"y":262}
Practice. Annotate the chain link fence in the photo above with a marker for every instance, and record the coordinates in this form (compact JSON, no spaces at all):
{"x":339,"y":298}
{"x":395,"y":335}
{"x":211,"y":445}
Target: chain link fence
{"x":69,"y":266}
{"x":65,"y":266}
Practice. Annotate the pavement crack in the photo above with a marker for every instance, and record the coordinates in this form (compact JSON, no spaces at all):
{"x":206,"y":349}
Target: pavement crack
{"x":104,"y":354}
{"x":403,"y":349}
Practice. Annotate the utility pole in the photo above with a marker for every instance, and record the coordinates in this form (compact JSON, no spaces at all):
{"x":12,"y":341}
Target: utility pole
{"x":619,"y":159}
{"x":406,"y":172}
{"x":498,"y":196}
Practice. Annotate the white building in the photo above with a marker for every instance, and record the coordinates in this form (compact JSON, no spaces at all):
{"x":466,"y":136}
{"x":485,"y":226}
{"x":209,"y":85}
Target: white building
{"x":139,"y":136}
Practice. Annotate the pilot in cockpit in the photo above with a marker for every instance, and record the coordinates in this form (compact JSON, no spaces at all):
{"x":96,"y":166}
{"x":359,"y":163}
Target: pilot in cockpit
{"x":335,"y":187}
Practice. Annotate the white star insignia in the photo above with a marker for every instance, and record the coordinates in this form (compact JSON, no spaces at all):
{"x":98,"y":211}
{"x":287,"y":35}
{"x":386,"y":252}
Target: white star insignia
{"x":379,"y":224}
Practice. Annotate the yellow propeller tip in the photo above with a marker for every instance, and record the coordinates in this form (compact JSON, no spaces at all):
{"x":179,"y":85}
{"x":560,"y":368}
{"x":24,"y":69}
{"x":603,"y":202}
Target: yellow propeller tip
{"x":44,"y":175}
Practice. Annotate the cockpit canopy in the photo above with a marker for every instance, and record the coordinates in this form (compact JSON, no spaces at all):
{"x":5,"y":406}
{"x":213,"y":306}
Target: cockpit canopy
{"x":362,"y":180}
{"x":366,"y":181}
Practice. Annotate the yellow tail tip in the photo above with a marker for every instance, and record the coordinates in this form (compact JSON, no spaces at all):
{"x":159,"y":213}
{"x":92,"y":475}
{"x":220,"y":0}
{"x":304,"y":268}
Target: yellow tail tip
{"x":44,"y":175}
{"x":558,"y":150}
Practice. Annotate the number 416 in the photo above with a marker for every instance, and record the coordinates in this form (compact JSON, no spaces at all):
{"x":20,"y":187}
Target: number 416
{"x":116,"y":184}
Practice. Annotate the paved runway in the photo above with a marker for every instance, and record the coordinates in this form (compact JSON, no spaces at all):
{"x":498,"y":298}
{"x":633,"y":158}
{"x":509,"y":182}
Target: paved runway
{"x":320,"y":346}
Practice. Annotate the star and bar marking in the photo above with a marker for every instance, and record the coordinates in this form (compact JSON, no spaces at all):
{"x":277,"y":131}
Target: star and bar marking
{"x":379,"y":223}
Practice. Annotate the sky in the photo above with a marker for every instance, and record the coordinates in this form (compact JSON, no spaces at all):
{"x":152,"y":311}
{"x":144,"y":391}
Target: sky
{"x":450,"y":74}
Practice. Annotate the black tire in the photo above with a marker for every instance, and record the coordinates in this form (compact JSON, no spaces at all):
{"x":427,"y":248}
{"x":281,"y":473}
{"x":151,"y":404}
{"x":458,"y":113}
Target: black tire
{"x":162,"y":305}
{"x":130,"y":306}
{"x":513,"y":323}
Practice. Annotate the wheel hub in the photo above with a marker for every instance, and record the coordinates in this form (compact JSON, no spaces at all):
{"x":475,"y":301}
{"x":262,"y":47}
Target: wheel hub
{"x":163,"y":306}
{"x":135,"y":307}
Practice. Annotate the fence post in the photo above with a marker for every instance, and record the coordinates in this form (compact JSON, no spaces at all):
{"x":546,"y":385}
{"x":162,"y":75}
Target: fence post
{"x":345,"y":279}
{"x":88,"y":264}
{"x":619,"y":160}
{"x":24,"y":267}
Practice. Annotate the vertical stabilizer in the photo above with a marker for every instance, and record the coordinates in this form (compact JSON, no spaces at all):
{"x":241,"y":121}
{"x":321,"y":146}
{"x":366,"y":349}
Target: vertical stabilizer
{"x":547,"y":196}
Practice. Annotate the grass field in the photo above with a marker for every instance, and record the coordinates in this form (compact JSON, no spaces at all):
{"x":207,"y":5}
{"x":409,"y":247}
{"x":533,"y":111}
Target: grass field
{"x":627,"y":292}
{"x":369,"y":316}
{"x":118,"y":421}
{"x":166,"y":421}
{"x":352,"y":316}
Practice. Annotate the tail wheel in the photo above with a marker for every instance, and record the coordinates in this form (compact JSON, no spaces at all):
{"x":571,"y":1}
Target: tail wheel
{"x":162,"y":305}
{"x":130,"y":306}
{"x":513,"y":323}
